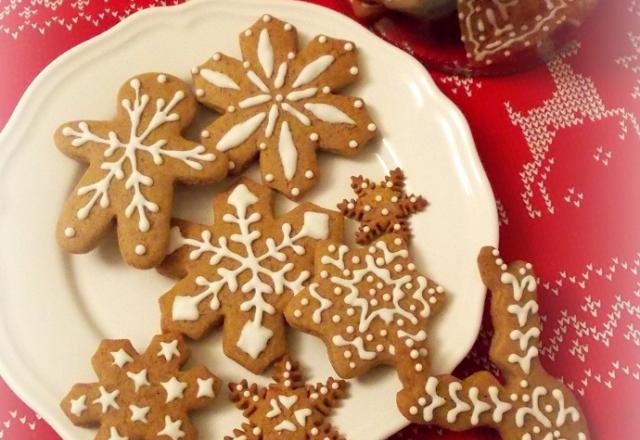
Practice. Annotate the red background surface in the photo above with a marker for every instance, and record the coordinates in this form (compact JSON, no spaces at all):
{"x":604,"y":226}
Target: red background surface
{"x":570,"y":136}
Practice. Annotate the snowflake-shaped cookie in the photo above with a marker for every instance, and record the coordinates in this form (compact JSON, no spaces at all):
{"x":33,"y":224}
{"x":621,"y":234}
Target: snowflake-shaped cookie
{"x":529,"y":404}
{"x":142,"y":396}
{"x":287,"y":409}
{"x":134,"y":161}
{"x":370,"y":306}
{"x":381,"y":207}
{"x":243,"y":269}
{"x":280,"y":104}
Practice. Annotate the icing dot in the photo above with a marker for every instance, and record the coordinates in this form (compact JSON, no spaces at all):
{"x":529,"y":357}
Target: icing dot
{"x":524,"y":383}
{"x":379,"y":285}
{"x":385,"y":211}
{"x":350,"y":312}
{"x":374,"y":302}
{"x":346,"y":272}
{"x":269,"y":177}
{"x":372,"y":127}
{"x":398,"y":268}
{"x":367,"y":208}
{"x":548,"y":408}
{"x":495,"y":252}
{"x":262,"y":146}
{"x":335,"y":385}
{"x":350,"y":329}
{"x":378,"y":198}
{"x":256,"y":431}
{"x":216,"y":56}
{"x":247,"y":393}
{"x":394,"y":199}
{"x":279,"y":97}
{"x":513,"y":397}
{"x":379,"y":348}
{"x":431,"y":291}
{"x":364,"y":185}
{"x":256,"y":398}
{"x":135,"y":83}
{"x":536,"y":430}
{"x":297,"y":313}
{"x":304,"y":301}
{"x":288,"y":27}
{"x":324,"y":274}
{"x":411,"y":266}
{"x":291,"y":55}
{"x":369,"y":337}
{"x":354,"y":70}
{"x":353,"y":144}
{"x":414,"y":354}
{"x":413,"y":410}
{"x":314,"y":137}
{"x":199,"y":92}
{"x":69,"y":232}
{"x":397,"y":241}
{"x":161,"y":78}
{"x":348,"y":47}
{"x":231,"y":165}
{"x":400,"y":322}
{"x":287,"y":383}
{"x":295,"y":191}
{"x":326,"y":90}
{"x":352,"y":365}
{"x":337,"y":291}
{"x":205,"y":134}
{"x":386,"y":297}
{"x":370,"y":277}
{"x":246,"y":64}
{"x":248,"y":33}
{"x":499,"y":261}
{"x":409,"y":286}
{"x":350,"y":206}
{"x":412,"y":307}
{"x":422,"y":401}
{"x":528,"y":266}
{"x":409,"y":343}
{"x":380,"y":261}
{"x":140,"y":249}
{"x":266,"y":18}
{"x":347,"y":354}
{"x":424,"y":352}
{"x":358,"y":103}
{"x":372,"y":291}
{"x":355,"y":259}
{"x":525,"y":398}
{"x":336,"y":318}
{"x":440,"y":289}
{"x":383,"y":333}
{"x":332,"y":248}
{"x":314,"y":431}
{"x":522,"y":271}
{"x":195,"y":70}
{"x":309,"y":174}
{"x":314,"y":396}
{"x":322,"y":39}
{"x":396,"y":227}
{"x":412,"y":199}
{"x":503,"y":267}
{"x":231,"y":109}
{"x":433,"y":300}
{"x":366,"y":228}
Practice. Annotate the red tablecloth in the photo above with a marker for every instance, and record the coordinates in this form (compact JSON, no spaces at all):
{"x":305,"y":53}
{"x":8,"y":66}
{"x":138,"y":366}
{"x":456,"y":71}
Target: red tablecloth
{"x":561,"y":146}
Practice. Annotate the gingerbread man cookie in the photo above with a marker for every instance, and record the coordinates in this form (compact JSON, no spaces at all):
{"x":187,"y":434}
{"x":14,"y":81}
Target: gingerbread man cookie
{"x":134,"y":161}
{"x":381,"y":207}
{"x":529,"y":404}
{"x":243,"y":270}
{"x":282,"y":105}
{"x":287,"y":409}
{"x":142,"y":396}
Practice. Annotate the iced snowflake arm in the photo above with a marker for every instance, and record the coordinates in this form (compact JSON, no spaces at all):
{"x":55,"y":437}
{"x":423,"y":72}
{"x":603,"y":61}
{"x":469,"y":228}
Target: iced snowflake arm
{"x":243,"y":395}
{"x":87,"y":140}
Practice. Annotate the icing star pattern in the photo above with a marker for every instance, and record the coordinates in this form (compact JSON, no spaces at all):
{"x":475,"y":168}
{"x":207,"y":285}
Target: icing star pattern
{"x":141,"y":396}
{"x":244,"y":268}
{"x":381,"y":207}
{"x":280,"y":104}
{"x":370,"y":306}
{"x":288,"y":409}
{"x":529,"y":404}
{"x":134,"y":161}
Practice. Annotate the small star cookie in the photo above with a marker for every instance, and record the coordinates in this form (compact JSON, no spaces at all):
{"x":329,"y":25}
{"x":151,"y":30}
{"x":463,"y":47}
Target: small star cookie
{"x":142,"y":396}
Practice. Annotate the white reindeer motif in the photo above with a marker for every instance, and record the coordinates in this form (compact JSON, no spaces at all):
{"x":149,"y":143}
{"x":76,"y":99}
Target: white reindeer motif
{"x":575,"y":101}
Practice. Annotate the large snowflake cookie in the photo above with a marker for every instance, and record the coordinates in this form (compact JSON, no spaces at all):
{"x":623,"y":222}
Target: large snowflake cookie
{"x":529,"y":403}
{"x":287,"y":409}
{"x":370,"y":306}
{"x":142,"y":396}
{"x":243,"y":270}
{"x":381,"y":208}
{"x":282,"y":105}
{"x":134,"y":161}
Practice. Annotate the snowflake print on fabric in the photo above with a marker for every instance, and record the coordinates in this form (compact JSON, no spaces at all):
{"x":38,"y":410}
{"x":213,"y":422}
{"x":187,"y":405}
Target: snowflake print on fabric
{"x":142,"y":396}
{"x":370,"y":306}
{"x":243,"y":269}
{"x":280,"y":104}
{"x":632,"y":62}
{"x":287,"y":409}
{"x":531,"y":404}
{"x":381,"y":208}
{"x":134,"y":161}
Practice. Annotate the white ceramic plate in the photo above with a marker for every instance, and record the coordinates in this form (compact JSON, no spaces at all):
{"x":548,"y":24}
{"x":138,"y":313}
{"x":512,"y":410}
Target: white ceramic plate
{"x":54,"y":308}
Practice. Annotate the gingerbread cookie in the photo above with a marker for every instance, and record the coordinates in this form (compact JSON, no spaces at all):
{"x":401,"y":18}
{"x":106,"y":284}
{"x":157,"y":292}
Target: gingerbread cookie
{"x":381,"y":208}
{"x":243,"y":270}
{"x":134,"y":161}
{"x":494,"y":31}
{"x":529,"y":404}
{"x":281,"y":104}
{"x":287,"y":409}
{"x":142,"y":396}
{"x":370,"y":306}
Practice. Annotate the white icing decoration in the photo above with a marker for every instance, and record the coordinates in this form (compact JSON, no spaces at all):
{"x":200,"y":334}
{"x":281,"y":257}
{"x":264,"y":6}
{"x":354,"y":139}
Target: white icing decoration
{"x":356,"y":343}
{"x":461,"y":406}
{"x":127,"y":162}
{"x":524,"y":361}
{"x":297,"y":95}
{"x":169,"y":349}
{"x":312,"y":70}
{"x":285,"y":425}
{"x":115,"y":435}
{"x":288,"y":401}
{"x":172,"y":429}
{"x":205,"y":388}
{"x":301,"y":416}
{"x":287,"y":151}
{"x":139,"y":414}
{"x":523,"y":338}
{"x":265,"y":52}
{"x":275,"y":409}
{"x":304,"y":120}
{"x":139,"y":379}
{"x":522,"y":312}
{"x":107,"y":399}
{"x":478,"y":405}
{"x":253,"y":336}
{"x":329,"y":113}
{"x":271,"y":122}
{"x":121,"y":358}
{"x":563,"y":411}
{"x":78,"y":406}
{"x":69,"y":232}
{"x":254,"y":100}
{"x":324,"y":303}
{"x":436,"y":400}
{"x":534,"y":410}
{"x":280,"y":76}
{"x":174,"y":389}
{"x":500,"y":407}
{"x":528,"y":283}
{"x":240,"y":132}
{"x":219,"y":79}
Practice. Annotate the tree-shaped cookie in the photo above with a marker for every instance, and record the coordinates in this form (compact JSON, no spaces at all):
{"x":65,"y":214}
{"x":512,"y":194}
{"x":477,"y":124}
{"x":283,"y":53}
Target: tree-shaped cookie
{"x":381,"y":208}
{"x":243,"y":270}
{"x":370,"y":306}
{"x":134,"y":161}
{"x":529,"y":404}
{"x":142,"y":396}
{"x":281,"y":104}
{"x":288,"y":409}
